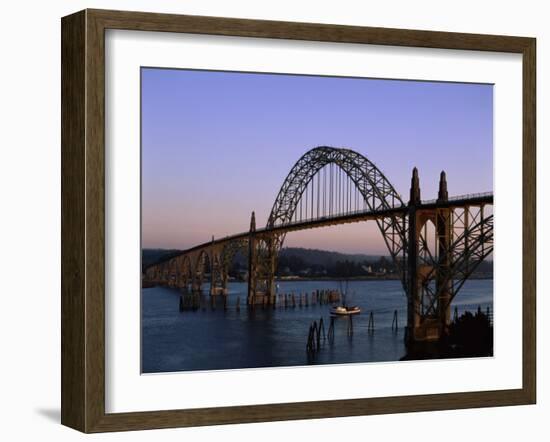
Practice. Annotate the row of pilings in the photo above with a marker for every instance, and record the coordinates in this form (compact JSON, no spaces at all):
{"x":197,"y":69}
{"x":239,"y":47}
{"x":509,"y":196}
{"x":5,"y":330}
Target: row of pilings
{"x":321,"y":297}
{"x":317,"y":336}
{"x":195,"y":301}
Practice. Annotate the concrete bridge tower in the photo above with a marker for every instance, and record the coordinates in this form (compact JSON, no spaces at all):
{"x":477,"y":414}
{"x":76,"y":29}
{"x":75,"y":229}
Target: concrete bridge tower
{"x":422,"y":327}
{"x":444,"y":236}
{"x":413,"y":280}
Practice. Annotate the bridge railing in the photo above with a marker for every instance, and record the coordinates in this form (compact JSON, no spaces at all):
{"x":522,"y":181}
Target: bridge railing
{"x":468,"y":196}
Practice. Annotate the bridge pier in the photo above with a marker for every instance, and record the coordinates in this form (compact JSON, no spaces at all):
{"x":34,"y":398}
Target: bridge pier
{"x":413,"y":295}
{"x":271,"y":268}
{"x":252,"y":261}
{"x":427,"y":325}
{"x":196,"y":285}
{"x":224,"y":278}
{"x":444,"y":235}
{"x":213,"y":270}
{"x":262,"y":261}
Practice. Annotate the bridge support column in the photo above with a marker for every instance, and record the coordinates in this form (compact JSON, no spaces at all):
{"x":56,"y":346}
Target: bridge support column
{"x":196,"y":274}
{"x":213,"y":270}
{"x":444,"y":236}
{"x":212,"y":290}
{"x":413,"y":295}
{"x":428,"y":326}
{"x":196,"y":285}
{"x":252,"y":261}
{"x":272,"y":263}
{"x":224,"y":278}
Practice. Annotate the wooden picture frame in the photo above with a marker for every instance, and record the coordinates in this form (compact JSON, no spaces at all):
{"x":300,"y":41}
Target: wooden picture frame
{"x":83,"y":220}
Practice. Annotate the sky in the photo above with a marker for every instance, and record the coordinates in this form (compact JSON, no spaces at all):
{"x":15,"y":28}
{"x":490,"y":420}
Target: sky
{"x":218,"y":145}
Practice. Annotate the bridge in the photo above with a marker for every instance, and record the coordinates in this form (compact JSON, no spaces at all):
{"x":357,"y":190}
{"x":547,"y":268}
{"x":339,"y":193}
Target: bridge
{"x":435,"y":245}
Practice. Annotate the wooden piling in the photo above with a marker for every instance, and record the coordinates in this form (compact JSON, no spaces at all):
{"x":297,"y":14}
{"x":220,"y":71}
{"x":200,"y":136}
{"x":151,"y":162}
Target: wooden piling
{"x":318,"y":335}
{"x":310,"y":346}
{"x":331,"y":330}
{"x":370,"y":326}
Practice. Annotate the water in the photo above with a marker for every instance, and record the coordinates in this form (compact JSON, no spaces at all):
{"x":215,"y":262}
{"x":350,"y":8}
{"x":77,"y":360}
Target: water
{"x":213,"y":339}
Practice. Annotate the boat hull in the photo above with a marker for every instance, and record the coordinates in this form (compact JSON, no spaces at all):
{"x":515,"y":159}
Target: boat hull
{"x":344,"y":312}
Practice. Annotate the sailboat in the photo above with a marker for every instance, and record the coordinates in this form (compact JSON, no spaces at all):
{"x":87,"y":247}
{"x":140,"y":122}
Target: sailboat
{"x":345,"y":309}
{"x":342,"y":310}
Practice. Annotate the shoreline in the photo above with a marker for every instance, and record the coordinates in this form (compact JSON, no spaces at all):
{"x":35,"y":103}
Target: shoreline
{"x":353,"y":278}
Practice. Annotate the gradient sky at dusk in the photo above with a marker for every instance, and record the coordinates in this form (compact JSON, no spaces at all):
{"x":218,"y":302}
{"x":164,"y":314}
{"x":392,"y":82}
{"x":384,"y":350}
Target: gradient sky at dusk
{"x":217,"y":145}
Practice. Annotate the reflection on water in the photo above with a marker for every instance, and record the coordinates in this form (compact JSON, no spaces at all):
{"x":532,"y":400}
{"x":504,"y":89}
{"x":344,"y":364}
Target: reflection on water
{"x":212,"y":337}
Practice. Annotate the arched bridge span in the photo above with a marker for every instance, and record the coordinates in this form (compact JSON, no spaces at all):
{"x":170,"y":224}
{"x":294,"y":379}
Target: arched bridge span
{"x":435,"y":245}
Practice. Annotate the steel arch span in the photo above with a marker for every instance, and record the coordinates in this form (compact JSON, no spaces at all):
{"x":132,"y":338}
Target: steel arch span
{"x":377,"y":192}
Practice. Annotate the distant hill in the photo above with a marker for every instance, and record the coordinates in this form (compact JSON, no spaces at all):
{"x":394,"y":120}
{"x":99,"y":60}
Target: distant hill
{"x":152,"y":256}
{"x":296,"y":260}
{"x":314,"y":257}
{"x":324,"y":257}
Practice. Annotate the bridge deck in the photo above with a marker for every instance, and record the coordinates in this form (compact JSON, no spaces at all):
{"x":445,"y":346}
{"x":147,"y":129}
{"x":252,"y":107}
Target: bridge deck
{"x":349,"y":217}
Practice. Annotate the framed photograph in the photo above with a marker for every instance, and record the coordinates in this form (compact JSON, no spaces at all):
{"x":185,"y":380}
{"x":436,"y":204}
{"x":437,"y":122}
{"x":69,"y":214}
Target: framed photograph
{"x":270,"y":220}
